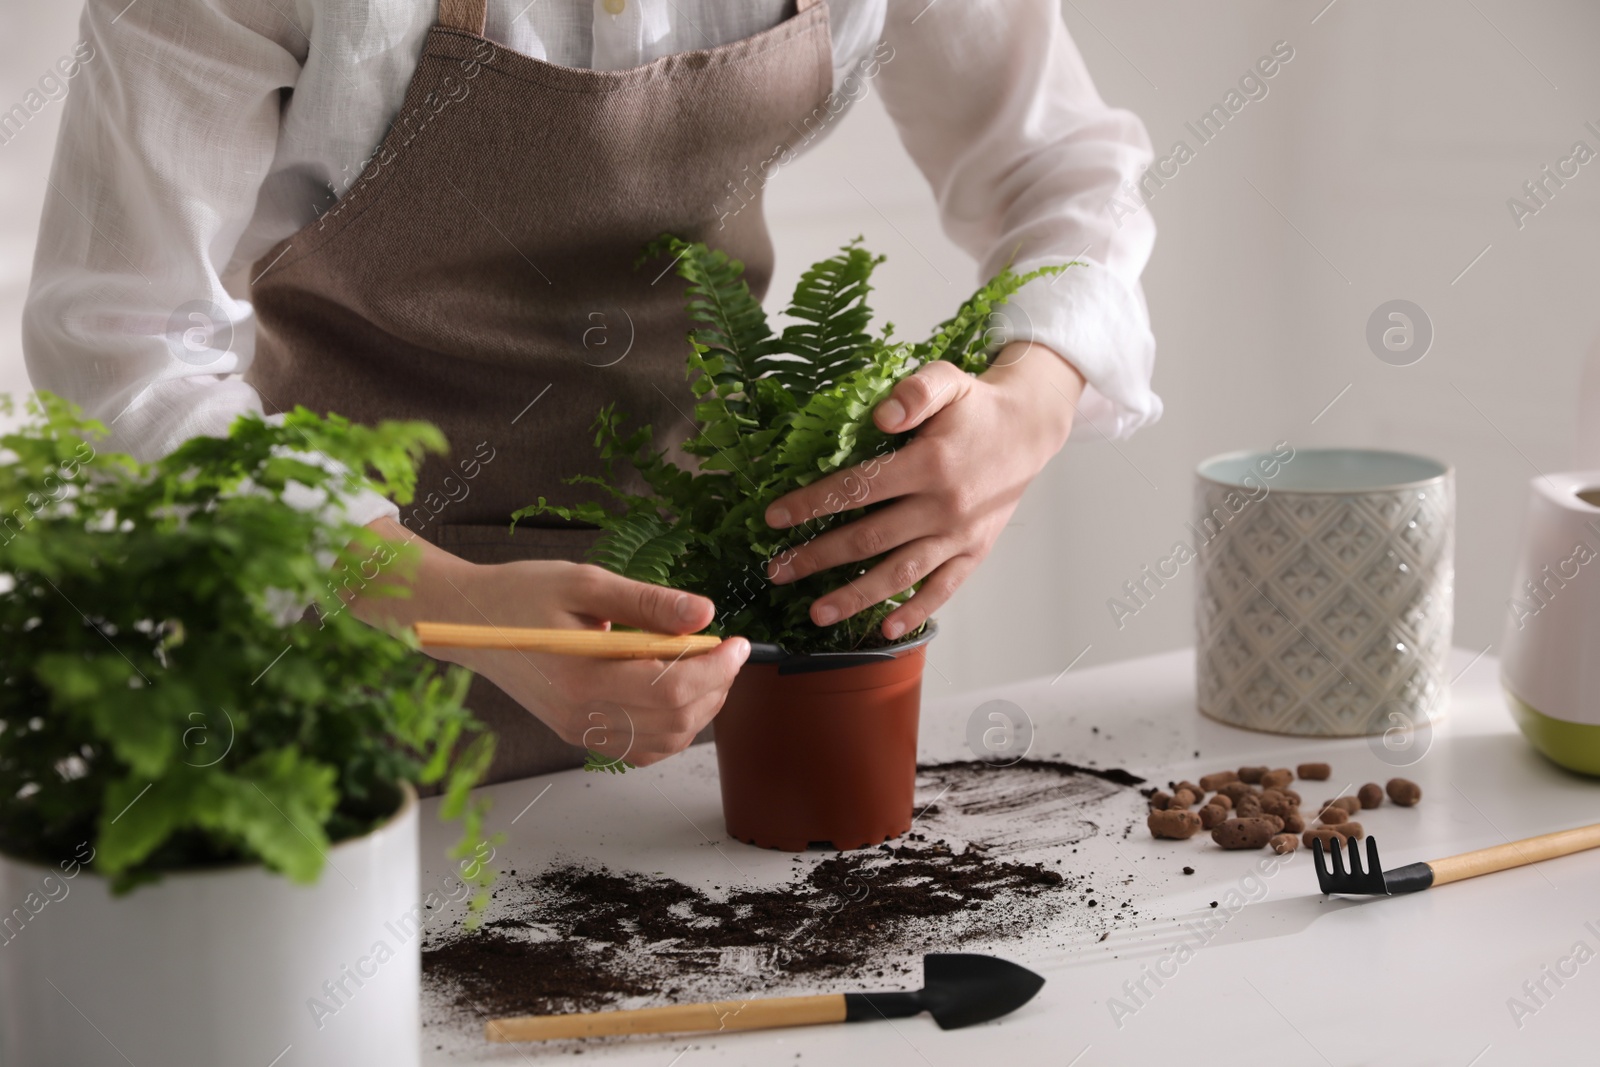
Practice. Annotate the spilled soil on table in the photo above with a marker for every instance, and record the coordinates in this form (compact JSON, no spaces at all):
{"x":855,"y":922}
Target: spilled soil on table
{"x":574,"y":938}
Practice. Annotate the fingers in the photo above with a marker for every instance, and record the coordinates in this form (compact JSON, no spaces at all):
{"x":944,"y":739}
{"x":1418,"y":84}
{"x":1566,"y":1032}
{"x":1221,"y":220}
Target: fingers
{"x":652,"y":748}
{"x":912,"y":402}
{"x":939,"y":588}
{"x":869,"y":482}
{"x":864,"y":538}
{"x":596,"y":592}
{"x":618,"y":734}
{"x":904,"y":568}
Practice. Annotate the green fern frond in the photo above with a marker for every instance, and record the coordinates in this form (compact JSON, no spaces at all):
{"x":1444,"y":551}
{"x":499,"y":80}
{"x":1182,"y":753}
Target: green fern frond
{"x":831,"y":338}
{"x":588,"y":513}
{"x":963,"y":339}
{"x":643,"y":547}
{"x":834,"y":429}
{"x":595,"y":761}
{"x":731,"y":319}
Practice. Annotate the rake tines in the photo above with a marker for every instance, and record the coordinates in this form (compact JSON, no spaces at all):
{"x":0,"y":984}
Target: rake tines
{"x":1355,"y":880}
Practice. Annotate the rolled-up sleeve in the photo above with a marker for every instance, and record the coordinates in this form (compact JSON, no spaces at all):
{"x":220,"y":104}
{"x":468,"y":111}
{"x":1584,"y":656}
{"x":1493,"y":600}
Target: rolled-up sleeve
{"x":993,"y":102}
{"x":170,"y":127}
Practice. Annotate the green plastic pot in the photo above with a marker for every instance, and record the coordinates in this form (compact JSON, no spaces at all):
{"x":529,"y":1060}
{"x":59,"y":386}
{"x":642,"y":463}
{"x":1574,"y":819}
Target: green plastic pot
{"x":1573,"y":745}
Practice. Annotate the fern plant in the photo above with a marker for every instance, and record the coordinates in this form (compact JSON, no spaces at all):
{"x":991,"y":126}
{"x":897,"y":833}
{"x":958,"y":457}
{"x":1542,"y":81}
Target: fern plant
{"x":774,"y":412}
{"x":162,"y":706}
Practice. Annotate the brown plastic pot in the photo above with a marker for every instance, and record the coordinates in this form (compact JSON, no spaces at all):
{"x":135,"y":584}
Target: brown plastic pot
{"x":822,"y":758}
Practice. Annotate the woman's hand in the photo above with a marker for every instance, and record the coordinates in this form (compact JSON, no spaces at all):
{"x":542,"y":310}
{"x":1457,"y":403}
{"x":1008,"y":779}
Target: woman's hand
{"x":980,"y":441}
{"x":639,"y":710}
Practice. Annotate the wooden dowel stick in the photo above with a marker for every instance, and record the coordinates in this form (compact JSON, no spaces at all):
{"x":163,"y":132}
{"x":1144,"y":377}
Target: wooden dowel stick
{"x":1515,"y":854}
{"x":596,"y":644}
{"x":676,"y":1019}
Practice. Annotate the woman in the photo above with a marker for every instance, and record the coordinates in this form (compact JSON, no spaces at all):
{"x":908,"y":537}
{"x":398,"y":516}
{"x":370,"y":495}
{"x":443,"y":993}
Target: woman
{"x":225,"y":232}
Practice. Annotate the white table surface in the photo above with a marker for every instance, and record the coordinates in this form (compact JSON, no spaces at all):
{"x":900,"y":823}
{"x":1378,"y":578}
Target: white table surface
{"x":1293,"y":978}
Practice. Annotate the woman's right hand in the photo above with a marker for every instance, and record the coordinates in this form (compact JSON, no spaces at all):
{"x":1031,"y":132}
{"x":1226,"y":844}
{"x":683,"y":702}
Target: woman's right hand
{"x":639,"y":710}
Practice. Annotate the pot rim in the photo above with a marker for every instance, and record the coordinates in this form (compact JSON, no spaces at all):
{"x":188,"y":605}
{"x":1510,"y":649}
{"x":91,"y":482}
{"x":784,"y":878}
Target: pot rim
{"x":1446,"y":472}
{"x":408,"y":804}
{"x":897,"y":650}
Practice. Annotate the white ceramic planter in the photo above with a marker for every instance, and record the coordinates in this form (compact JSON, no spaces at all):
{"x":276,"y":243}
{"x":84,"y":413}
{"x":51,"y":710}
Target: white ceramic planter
{"x":232,"y":966}
{"x":1325,"y":591}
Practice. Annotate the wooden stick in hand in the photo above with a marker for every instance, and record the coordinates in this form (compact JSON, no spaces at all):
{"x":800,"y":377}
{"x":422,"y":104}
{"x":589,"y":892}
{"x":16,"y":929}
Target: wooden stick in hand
{"x":677,"y":1019}
{"x":595,"y":644}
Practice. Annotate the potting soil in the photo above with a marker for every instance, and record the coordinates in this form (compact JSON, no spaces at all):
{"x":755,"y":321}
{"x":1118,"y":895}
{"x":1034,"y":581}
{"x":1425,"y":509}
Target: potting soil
{"x":574,"y":937}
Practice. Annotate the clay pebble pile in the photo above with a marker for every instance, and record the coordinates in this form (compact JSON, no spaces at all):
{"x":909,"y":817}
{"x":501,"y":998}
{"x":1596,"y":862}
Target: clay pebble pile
{"x":1254,"y":807}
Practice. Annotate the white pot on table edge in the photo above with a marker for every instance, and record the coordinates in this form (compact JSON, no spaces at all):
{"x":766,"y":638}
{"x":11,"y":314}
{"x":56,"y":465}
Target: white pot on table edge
{"x":230,"y":965}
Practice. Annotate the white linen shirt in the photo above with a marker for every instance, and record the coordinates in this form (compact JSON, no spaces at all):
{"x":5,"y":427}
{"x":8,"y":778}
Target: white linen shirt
{"x":202,"y":132}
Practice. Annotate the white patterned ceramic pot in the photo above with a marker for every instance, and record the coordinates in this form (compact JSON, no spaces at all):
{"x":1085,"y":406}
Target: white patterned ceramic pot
{"x":1326,"y":587}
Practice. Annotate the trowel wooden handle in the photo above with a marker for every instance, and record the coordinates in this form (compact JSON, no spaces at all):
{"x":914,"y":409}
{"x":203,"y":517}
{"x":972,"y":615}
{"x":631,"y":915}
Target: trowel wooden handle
{"x":1515,"y":854}
{"x":676,"y":1019}
{"x":595,"y":644}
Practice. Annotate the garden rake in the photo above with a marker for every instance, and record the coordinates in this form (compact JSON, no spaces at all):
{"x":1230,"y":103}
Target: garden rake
{"x":1415,"y":877}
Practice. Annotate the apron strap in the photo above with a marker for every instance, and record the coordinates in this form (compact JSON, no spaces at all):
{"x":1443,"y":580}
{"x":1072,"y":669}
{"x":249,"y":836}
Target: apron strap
{"x":468,"y":15}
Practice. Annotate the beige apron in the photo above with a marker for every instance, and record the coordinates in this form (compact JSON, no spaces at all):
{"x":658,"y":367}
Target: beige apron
{"x":480,"y":274}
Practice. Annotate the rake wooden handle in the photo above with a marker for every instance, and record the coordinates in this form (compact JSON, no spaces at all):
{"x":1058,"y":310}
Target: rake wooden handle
{"x":676,"y":1019}
{"x":1515,"y":854}
{"x":595,"y":644}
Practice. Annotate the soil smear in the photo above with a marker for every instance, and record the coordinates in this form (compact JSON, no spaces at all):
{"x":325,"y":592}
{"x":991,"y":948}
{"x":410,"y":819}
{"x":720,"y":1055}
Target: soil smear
{"x":577,"y":937}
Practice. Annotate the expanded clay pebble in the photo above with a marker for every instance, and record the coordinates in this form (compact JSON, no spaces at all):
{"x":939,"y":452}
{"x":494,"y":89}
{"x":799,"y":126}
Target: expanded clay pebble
{"x":1191,"y":787}
{"x":1370,"y":795}
{"x":1294,"y":798}
{"x":1244,"y":833}
{"x":1235,"y":790}
{"x":1223,"y":801}
{"x":1251,"y":774}
{"x":1348,"y":803}
{"x":1328,"y":835}
{"x":1274,"y":802}
{"x":1314,"y":772}
{"x":1160,"y":800}
{"x":1173,"y":824}
{"x":1215,"y":782}
{"x":1277,"y":779}
{"x":1248,"y":806}
{"x":1333,"y":815}
{"x":1351,"y":828}
{"x":1211,"y":815}
{"x":1282,"y":843}
{"x":1294,"y":822}
{"x":1404,"y":792}
{"x":1183,"y":799}
{"x":1277,"y":823}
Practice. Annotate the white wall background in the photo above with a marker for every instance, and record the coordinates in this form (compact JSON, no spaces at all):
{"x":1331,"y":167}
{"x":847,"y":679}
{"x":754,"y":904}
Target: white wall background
{"x":1377,"y":168}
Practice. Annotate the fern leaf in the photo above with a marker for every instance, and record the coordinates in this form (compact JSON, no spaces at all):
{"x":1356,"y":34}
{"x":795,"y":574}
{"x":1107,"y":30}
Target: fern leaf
{"x":589,"y":513}
{"x":640,"y":546}
{"x":963,"y":338}
{"x":596,"y":761}
{"x":731,"y":319}
{"x":830,"y":339}
{"x":835,"y":429}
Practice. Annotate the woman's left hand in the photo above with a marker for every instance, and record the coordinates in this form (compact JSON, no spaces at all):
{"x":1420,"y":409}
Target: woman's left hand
{"x":979,"y":442}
